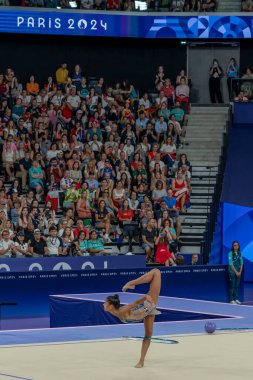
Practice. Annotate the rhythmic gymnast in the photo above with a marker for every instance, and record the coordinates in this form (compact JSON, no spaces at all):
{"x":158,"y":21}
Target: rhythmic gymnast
{"x":143,"y":309}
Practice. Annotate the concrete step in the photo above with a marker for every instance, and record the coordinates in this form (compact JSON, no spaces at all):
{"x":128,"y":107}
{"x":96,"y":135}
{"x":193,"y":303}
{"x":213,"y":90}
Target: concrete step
{"x":199,"y":197}
{"x":193,"y":230}
{"x":203,"y":168}
{"x":191,"y":219}
{"x":203,"y":176}
{"x":199,"y":139}
{"x":200,"y":110}
{"x":202,"y":194}
{"x":201,"y":148}
{"x":211,"y":162}
{"x":191,"y":240}
{"x":203,"y":156}
{"x":207,"y":120}
{"x":230,"y":8}
{"x":203,"y":181}
{"x":200,"y":202}
{"x":203,"y":141}
{"x":198,"y":211}
{"x":200,"y":130}
{"x":190,"y":249}
{"x":213,"y":114}
{"x":194,"y":225}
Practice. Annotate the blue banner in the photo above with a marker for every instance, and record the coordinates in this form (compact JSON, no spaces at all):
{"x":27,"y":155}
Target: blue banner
{"x":31,"y":291}
{"x":106,"y":24}
{"x":71,"y":263}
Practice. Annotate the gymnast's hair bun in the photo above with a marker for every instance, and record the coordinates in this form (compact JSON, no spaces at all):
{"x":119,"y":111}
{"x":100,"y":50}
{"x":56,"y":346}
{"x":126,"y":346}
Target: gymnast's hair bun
{"x":114,"y":300}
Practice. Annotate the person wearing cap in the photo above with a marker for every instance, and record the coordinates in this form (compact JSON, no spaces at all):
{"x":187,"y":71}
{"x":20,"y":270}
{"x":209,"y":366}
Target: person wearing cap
{"x":38,"y":245}
{"x":7,"y":247}
{"x":21,"y":246}
{"x":92,"y":182}
{"x":54,"y":243}
{"x":107,"y":169}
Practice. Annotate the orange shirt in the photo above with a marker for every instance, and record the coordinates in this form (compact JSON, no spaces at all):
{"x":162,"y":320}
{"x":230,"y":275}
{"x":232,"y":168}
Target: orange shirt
{"x":32,"y":87}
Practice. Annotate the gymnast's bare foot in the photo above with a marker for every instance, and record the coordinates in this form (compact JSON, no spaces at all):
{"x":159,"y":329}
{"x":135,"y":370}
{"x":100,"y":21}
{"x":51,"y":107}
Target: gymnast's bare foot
{"x":139,"y":365}
{"x":128,"y":286}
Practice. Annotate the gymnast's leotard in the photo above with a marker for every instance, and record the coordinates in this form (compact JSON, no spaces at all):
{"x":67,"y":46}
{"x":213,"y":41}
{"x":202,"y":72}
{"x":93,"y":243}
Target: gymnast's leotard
{"x":140,"y":312}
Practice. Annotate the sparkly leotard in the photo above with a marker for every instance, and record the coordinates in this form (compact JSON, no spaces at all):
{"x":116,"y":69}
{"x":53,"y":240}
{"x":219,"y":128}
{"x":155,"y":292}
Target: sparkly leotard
{"x":140,"y":312}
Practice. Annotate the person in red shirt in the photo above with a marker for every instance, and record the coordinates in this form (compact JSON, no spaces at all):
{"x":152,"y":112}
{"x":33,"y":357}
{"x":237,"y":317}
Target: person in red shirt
{"x":113,"y":5}
{"x":125,"y":214}
{"x":80,"y":227}
{"x":169,"y":92}
{"x":55,"y":170}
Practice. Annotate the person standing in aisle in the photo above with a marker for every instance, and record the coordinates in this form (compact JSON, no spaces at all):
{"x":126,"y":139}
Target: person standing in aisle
{"x":215,"y":75}
{"x":235,"y":266}
{"x":232,"y":74}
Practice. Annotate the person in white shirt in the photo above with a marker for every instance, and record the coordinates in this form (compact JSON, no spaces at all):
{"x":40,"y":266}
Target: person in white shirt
{"x":129,"y":149}
{"x":145,"y":101}
{"x":54,"y":243}
{"x":66,"y":181}
{"x":26,"y":99}
{"x":73,"y":100}
{"x":161,"y":99}
{"x":157,"y":160}
{"x":42,"y":98}
{"x":57,"y":99}
{"x":21,"y":247}
{"x":7,"y":247}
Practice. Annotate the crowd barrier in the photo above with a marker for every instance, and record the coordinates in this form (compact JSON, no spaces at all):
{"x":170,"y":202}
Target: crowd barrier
{"x":31,"y":290}
{"x":71,"y":263}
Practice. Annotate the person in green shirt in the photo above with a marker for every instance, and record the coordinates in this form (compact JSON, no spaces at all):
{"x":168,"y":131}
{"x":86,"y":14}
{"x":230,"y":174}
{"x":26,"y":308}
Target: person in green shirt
{"x":178,"y":112}
{"x":95,"y":245}
{"x":71,"y":196}
{"x":235,"y":266}
{"x":36,"y":177}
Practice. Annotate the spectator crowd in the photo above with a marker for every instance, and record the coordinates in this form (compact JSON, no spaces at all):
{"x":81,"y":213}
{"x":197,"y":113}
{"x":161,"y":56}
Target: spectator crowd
{"x":122,"y":5}
{"x":86,"y":163}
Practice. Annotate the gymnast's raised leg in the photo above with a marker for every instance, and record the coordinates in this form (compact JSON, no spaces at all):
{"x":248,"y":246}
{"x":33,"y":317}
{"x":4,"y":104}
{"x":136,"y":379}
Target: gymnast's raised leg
{"x":154,"y":279}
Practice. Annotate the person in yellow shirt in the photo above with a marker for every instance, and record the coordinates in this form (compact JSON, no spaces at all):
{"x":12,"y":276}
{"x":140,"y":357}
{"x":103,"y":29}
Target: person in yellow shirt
{"x":62,"y":74}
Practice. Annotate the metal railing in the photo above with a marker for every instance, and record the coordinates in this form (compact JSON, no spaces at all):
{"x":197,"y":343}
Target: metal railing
{"x":212,"y":213}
